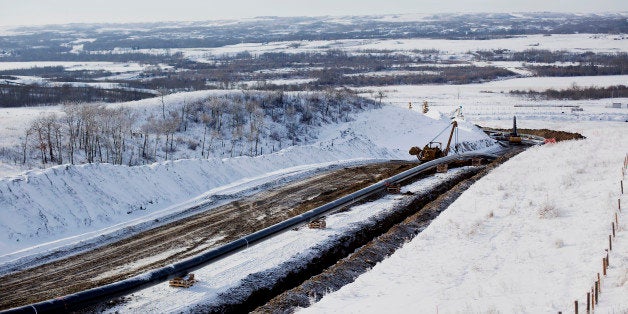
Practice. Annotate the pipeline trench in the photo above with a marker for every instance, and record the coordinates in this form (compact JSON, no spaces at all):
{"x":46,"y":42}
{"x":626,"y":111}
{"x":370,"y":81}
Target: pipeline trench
{"x":339,"y":263}
{"x":188,"y":237}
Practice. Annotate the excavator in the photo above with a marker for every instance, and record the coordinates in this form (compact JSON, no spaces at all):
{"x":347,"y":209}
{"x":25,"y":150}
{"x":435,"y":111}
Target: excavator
{"x":433,"y":150}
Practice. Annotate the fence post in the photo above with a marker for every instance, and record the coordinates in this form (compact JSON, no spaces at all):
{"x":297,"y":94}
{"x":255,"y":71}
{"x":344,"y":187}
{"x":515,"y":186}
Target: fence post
{"x":597,"y":287}
{"x":576,"y":306}
{"x":610,"y":243}
{"x":588,"y":302}
{"x":604,"y":266}
{"x":613,"y":225}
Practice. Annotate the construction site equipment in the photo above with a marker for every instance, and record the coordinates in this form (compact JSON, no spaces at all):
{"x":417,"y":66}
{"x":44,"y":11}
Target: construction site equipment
{"x":433,"y":150}
{"x":514,"y":137}
{"x":442,"y":168}
{"x":393,"y":188}
{"x":318,"y":223}
{"x":183,"y":282}
{"x":457,"y":113}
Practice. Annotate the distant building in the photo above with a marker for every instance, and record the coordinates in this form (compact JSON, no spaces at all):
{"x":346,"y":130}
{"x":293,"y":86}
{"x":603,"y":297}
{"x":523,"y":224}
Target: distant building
{"x":616,"y":105}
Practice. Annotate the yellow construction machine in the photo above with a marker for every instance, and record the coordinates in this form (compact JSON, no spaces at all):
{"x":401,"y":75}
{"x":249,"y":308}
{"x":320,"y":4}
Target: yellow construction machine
{"x":513,"y":137}
{"x":433,"y":150}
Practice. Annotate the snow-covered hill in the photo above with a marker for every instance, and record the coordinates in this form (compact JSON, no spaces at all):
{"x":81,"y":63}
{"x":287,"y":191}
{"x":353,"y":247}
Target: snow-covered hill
{"x":41,"y":206}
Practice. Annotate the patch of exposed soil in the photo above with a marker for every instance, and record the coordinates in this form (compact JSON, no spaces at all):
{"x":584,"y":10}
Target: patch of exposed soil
{"x":545,"y":133}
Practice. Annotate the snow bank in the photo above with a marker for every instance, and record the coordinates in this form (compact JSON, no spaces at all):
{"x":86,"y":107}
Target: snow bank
{"x":47,"y":205}
{"x":528,"y":237}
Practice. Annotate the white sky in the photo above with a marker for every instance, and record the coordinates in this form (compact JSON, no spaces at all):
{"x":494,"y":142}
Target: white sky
{"x":37,"y":12}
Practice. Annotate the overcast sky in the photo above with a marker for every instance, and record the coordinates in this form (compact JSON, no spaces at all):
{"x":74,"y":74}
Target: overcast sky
{"x":29,"y":12}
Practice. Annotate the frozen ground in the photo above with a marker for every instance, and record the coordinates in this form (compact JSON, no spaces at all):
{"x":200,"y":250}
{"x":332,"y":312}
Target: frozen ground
{"x":490,"y":100}
{"x":66,"y":204}
{"x":514,"y":242}
{"x":449,"y":48}
{"x":267,"y":258}
{"x":525,"y":246}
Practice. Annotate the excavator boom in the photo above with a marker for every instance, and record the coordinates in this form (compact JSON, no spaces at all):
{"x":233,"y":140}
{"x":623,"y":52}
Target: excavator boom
{"x":454,"y":125}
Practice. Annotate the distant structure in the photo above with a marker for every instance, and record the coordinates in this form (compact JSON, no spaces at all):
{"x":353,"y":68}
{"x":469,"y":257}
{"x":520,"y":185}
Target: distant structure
{"x":616,"y":105}
{"x":410,"y":105}
{"x":425,"y":107}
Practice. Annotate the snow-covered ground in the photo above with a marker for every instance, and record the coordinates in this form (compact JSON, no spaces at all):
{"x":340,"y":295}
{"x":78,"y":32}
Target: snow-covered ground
{"x":491,"y":100}
{"x":65,"y":204}
{"x":291,"y":247}
{"x":527,"y":238}
{"x":516,"y":241}
{"x":448,"y":48}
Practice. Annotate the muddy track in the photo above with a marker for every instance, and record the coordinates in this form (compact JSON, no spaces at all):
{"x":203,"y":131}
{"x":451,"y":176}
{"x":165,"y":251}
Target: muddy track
{"x":173,"y":242}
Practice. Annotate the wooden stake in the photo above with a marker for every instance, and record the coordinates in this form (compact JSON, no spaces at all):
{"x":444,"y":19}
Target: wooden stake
{"x":604,"y":266}
{"x":622,"y":186}
{"x":613,"y":226}
{"x":576,"y":306}
{"x":588,"y":302}
{"x":592,"y":299}
{"x":597,"y":287}
{"x":607,"y":260}
{"x":610,"y":243}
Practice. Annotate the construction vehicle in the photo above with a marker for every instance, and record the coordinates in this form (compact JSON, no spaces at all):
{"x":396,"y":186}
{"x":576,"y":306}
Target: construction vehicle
{"x":513,"y":137}
{"x":433,"y":150}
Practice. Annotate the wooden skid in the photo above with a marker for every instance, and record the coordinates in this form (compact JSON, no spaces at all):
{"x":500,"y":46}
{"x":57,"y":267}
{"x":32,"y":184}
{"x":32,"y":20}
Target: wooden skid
{"x":441,"y":168}
{"x":318,"y":224}
{"x":182,"y":282}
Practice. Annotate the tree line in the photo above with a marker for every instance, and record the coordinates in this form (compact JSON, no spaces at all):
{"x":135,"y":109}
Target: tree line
{"x":577,"y":93}
{"x":20,"y":95}
{"x":249,"y":123}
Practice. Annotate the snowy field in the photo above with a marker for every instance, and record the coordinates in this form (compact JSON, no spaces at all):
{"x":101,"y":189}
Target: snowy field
{"x":448,"y":48}
{"x":514,"y":242}
{"x":527,"y":238}
{"x":490,"y":100}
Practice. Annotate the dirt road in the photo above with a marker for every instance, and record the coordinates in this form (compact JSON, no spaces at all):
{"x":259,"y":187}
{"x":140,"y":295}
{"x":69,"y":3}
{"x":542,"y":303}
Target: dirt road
{"x":170,"y":243}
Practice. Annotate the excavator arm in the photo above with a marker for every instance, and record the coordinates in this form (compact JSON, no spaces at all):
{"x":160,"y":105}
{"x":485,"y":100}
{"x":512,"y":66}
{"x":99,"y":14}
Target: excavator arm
{"x":454,"y":125}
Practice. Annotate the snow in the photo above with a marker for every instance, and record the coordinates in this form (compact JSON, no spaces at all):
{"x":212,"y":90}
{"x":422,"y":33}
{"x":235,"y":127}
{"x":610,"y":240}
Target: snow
{"x":66,"y":204}
{"x":491,"y":100}
{"x":513,"y":242}
{"x":528,"y":237}
{"x":75,"y":66}
{"x":292,"y":246}
{"x":448,"y":48}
